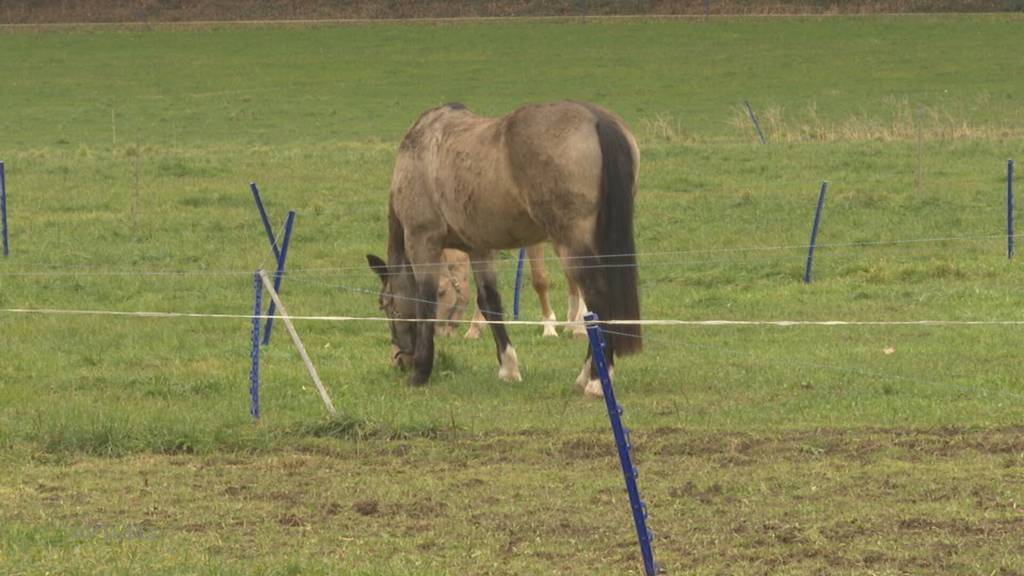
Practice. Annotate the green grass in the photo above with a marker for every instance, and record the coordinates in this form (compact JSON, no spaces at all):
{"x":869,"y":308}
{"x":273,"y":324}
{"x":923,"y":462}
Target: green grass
{"x":126,"y":442}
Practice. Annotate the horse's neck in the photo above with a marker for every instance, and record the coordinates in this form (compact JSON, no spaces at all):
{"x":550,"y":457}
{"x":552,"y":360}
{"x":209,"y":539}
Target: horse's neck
{"x":469,"y":130}
{"x":396,"y":240}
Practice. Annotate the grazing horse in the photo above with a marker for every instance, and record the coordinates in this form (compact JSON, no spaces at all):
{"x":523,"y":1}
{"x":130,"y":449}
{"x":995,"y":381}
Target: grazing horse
{"x":564,"y":171}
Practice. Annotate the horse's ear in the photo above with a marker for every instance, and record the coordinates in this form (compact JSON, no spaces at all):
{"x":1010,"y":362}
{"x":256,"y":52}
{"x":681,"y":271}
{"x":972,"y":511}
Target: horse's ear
{"x":378,"y":266}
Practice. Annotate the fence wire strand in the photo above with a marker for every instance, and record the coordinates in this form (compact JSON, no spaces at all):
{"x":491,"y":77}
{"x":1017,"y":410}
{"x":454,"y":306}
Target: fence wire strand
{"x":789,"y":362}
{"x":641,"y":322}
{"x":650,"y":259}
{"x":502,"y":263}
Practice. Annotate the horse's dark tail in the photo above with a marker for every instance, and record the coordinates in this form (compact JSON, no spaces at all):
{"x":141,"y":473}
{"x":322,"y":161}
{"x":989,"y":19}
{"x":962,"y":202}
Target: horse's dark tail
{"x":617,"y":273}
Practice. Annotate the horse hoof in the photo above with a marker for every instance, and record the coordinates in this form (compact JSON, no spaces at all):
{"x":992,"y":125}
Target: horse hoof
{"x":472,"y":334}
{"x":579,"y":333}
{"x":583,"y":376}
{"x":549,"y":326}
{"x":509,"y":371}
{"x":418,"y":380}
{"x":509,"y":376}
{"x":593,"y":389}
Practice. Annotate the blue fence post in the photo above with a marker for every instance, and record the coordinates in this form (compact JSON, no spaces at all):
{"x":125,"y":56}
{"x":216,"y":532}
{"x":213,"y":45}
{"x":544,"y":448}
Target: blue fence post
{"x":266,"y":221}
{"x":3,"y":207}
{"x":814,"y":232}
{"x":630,"y":473}
{"x":254,"y":371}
{"x":1009,"y":209}
{"x":519,"y":283}
{"x":753,"y":118}
{"x":280,"y":252}
{"x":279,"y":272}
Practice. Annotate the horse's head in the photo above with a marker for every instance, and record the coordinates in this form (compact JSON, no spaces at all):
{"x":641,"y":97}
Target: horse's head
{"x":398,"y":301}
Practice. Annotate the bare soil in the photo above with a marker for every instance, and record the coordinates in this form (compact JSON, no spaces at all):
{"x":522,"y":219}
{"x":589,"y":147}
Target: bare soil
{"x":948,"y":500}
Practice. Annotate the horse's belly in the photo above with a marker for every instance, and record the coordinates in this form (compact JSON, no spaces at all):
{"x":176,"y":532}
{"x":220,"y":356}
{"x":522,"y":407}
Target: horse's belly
{"x":494,"y":224}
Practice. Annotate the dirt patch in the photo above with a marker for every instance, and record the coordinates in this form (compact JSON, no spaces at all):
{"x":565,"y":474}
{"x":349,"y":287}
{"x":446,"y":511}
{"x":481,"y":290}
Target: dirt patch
{"x":423,"y":509}
{"x":236,"y":491}
{"x":802,"y":502}
{"x":587,"y":448}
{"x":842,"y":443}
{"x":283,"y":496}
{"x":366,"y":507}
{"x":705,"y":494}
{"x":291,"y":521}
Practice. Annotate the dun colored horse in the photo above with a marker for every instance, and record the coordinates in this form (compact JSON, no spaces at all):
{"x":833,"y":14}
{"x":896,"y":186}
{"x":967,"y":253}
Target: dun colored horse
{"x":563,"y":171}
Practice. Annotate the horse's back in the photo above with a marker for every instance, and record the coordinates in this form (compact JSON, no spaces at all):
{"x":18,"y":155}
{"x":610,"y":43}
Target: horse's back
{"x":551,"y":137}
{"x":505,"y":182}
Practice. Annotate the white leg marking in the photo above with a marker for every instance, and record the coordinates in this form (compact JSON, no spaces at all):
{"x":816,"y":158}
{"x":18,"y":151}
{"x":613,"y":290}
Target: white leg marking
{"x":509,"y":371}
{"x":584,"y":375}
{"x":473,"y":333}
{"x":570,"y":314}
{"x":593,"y":388}
{"x":579,"y":328}
{"x":549,"y":325}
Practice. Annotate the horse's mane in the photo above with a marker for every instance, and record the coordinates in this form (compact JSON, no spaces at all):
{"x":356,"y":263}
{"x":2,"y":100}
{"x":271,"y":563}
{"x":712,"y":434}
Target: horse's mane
{"x":414,"y":134}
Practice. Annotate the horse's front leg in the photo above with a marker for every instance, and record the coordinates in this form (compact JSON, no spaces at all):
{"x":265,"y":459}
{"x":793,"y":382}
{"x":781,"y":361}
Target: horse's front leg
{"x":426,"y":312}
{"x":489,"y":304}
{"x":424,"y":254}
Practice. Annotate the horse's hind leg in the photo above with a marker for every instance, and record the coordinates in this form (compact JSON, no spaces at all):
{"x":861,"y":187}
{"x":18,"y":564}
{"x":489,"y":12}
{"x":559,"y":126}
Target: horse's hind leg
{"x":577,"y":310}
{"x":582,"y":266}
{"x":577,"y":307}
{"x":489,"y":304}
{"x":473,"y":333}
{"x":541,"y":285}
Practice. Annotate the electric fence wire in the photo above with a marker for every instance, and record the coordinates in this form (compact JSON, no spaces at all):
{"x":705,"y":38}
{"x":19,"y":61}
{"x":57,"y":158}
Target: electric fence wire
{"x":790,"y":362}
{"x":503,"y":263}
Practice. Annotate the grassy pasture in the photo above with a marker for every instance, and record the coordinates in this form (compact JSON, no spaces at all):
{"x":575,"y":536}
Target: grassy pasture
{"x":126,"y":444}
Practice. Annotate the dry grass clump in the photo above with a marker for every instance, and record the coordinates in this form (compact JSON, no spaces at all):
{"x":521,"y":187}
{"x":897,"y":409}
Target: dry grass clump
{"x":665,"y":129}
{"x":900,"y":120}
